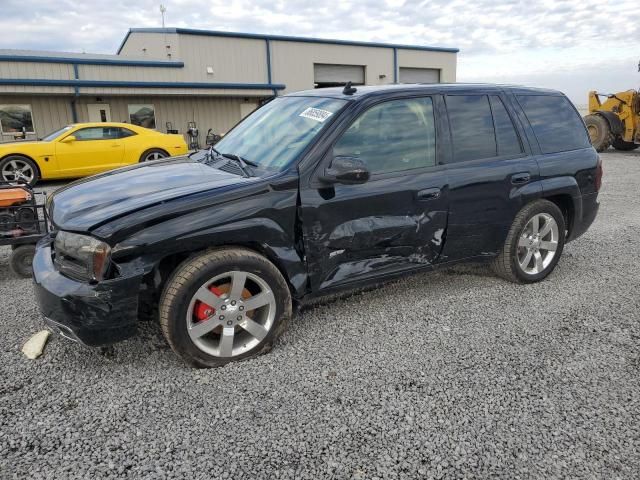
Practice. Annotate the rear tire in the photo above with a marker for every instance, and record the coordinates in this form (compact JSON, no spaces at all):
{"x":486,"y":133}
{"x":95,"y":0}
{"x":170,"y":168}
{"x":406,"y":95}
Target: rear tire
{"x":534,"y":243}
{"x":21,"y":260}
{"x":623,"y":146}
{"x":153,"y":154}
{"x":225,"y":328}
{"x":599,"y":132}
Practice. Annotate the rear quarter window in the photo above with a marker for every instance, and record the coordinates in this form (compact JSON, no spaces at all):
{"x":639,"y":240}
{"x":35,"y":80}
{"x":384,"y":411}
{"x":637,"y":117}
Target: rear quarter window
{"x":556,"y":124}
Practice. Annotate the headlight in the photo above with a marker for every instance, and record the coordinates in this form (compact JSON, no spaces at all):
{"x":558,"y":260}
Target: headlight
{"x":81,"y":256}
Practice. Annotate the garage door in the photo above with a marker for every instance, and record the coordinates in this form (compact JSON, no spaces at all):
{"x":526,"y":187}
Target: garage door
{"x":325,"y":75}
{"x":419,"y":75}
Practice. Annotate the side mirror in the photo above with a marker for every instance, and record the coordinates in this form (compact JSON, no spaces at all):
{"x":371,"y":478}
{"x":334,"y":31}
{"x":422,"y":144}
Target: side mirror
{"x":346,"y":170}
{"x":68,"y":139}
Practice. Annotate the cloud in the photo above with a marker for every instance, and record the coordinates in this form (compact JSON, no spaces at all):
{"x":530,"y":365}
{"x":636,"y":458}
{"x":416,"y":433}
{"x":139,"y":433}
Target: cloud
{"x":490,"y":33}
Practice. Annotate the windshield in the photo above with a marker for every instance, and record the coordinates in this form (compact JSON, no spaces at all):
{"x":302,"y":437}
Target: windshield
{"x":274,"y":135}
{"x":56,"y":134}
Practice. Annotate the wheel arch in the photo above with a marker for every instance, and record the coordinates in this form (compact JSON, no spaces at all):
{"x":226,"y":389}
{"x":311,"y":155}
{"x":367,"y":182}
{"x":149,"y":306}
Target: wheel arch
{"x":565,"y":193}
{"x":164,"y":267}
{"x":28,"y":157}
{"x":615,"y":124}
{"x":167,"y":264}
{"x":147,"y":150}
{"x":260,"y":235}
{"x":566,"y":204}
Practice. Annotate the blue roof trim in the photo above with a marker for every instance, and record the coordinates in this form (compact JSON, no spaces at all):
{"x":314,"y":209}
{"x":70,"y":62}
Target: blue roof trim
{"x":124,"y":84}
{"x":91,"y":61}
{"x":284,"y":38}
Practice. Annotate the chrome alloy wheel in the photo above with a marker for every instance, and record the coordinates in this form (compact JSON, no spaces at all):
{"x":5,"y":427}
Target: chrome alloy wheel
{"x":538,"y":243}
{"x":230,"y":314}
{"x":154,"y":156}
{"x":17,"y":171}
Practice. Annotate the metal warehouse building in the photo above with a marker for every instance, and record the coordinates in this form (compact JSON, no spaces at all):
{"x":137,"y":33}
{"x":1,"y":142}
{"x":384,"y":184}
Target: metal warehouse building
{"x":176,"y":76}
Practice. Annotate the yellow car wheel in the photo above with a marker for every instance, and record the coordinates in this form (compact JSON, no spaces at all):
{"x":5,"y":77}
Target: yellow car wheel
{"x":153,"y":154}
{"x":19,"y":169}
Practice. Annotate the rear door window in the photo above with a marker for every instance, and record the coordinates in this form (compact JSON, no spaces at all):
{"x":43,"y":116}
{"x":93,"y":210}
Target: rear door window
{"x":556,"y":124}
{"x":506,"y":136}
{"x":471,"y":127}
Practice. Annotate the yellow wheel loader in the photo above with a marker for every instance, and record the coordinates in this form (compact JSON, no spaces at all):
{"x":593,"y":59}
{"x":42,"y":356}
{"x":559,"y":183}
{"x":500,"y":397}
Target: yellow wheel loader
{"x":614,"y":122}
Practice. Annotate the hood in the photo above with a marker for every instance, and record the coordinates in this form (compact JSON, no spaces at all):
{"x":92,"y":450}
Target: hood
{"x":21,"y":143}
{"x":91,"y":202}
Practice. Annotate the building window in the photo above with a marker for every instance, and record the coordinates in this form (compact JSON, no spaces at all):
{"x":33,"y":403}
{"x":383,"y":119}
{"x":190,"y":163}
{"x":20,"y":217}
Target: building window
{"x":15,"y":118}
{"x":142,"y":115}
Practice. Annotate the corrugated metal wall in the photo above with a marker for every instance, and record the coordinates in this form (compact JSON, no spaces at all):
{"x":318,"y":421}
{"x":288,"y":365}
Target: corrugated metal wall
{"x":231,"y":59}
{"x":445,"y":62}
{"x":52,"y":71}
{"x":218,"y":113}
{"x":53,"y":112}
{"x":152,"y":45}
{"x":293,"y":62}
{"x":49,"y":113}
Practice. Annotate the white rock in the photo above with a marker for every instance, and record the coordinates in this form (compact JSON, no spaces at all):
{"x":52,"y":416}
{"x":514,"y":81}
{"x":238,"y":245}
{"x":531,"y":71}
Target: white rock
{"x":35,"y":345}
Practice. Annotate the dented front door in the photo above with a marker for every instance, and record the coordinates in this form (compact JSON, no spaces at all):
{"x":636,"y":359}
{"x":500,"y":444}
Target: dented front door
{"x":394,"y":222}
{"x":385,"y":226}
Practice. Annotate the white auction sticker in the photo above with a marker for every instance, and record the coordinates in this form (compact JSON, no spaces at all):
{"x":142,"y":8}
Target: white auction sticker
{"x":316,"y":114}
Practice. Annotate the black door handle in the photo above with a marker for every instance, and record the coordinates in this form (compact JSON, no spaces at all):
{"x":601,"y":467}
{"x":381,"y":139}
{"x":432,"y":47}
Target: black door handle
{"x":520,"y":178}
{"x":429,"y":194}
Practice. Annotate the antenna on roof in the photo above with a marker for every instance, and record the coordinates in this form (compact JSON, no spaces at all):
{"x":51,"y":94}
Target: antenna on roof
{"x":163,"y":9}
{"x":348,"y":89}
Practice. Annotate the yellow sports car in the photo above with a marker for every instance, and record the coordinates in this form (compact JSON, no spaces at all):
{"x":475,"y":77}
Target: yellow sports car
{"x":85,"y":149}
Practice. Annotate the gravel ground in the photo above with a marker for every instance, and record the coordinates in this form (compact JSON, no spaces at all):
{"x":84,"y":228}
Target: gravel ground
{"x":451,"y":375}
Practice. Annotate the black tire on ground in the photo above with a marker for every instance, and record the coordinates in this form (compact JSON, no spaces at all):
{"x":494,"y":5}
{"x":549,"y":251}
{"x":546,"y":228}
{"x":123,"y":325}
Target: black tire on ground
{"x":195,"y":272}
{"x":21,"y":260}
{"x":623,"y":146}
{"x":27,"y":164}
{"x":599,"y":132}
{"x":506,"y":264}
{"x":149,"y":155}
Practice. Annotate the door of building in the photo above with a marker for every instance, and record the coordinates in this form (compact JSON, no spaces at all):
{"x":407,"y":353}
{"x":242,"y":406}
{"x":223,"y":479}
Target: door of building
{"x":247,"y":108}
{"x":99,"y":112}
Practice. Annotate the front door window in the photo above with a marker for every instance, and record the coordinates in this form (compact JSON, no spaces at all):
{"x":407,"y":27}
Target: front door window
{"x":393,"y":136}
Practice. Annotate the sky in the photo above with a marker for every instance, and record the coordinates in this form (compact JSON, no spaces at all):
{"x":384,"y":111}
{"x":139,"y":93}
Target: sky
{"x":571,"y":45}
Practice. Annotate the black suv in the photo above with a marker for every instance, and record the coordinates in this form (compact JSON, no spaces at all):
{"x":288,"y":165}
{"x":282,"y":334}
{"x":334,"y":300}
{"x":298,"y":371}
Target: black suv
{"x":314,"y":193}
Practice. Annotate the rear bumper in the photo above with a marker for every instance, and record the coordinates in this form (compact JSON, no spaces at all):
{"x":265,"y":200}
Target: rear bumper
{"x":94,"y":315}
{"x":586,"y":217}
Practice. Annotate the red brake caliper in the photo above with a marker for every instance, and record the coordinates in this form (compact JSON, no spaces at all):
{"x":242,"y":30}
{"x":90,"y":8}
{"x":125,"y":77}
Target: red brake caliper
{"x":204,"y":311}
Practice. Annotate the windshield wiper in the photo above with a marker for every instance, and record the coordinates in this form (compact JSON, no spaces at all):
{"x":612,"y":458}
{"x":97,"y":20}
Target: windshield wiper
{"x":233,"y":155}
{"x":242,"y":162}
{"x":208,"y":156}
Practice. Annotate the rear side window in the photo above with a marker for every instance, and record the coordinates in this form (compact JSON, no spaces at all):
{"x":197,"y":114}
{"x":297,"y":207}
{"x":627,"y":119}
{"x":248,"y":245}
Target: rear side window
{"x":471,"y":127}
{"x":506,"y":136}
{"x":556,"y":124}
{"x":125,"y":132}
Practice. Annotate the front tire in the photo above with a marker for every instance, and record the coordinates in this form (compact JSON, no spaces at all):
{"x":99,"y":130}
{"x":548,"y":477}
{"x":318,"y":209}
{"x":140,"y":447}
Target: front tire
{"x":599,"y":132}
{"x":21,"y":260}
{"x":534,"y":243}
{"x":224,"y":305}
{"x":18,"y":169}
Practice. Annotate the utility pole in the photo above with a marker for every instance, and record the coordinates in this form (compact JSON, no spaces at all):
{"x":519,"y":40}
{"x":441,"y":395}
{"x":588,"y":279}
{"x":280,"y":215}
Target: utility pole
{"x":163,"y":9}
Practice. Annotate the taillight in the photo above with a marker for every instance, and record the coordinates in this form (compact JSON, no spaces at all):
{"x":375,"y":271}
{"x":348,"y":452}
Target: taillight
{"x":599,"y":174}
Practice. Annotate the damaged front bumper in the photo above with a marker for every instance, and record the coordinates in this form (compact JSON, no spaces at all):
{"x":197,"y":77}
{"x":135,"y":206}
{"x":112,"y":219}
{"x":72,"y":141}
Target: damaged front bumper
{"x":94,"y":315}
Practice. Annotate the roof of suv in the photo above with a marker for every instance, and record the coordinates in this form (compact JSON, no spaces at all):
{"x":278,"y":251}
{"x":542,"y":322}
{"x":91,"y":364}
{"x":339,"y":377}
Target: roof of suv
{"x":370,"y":90}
